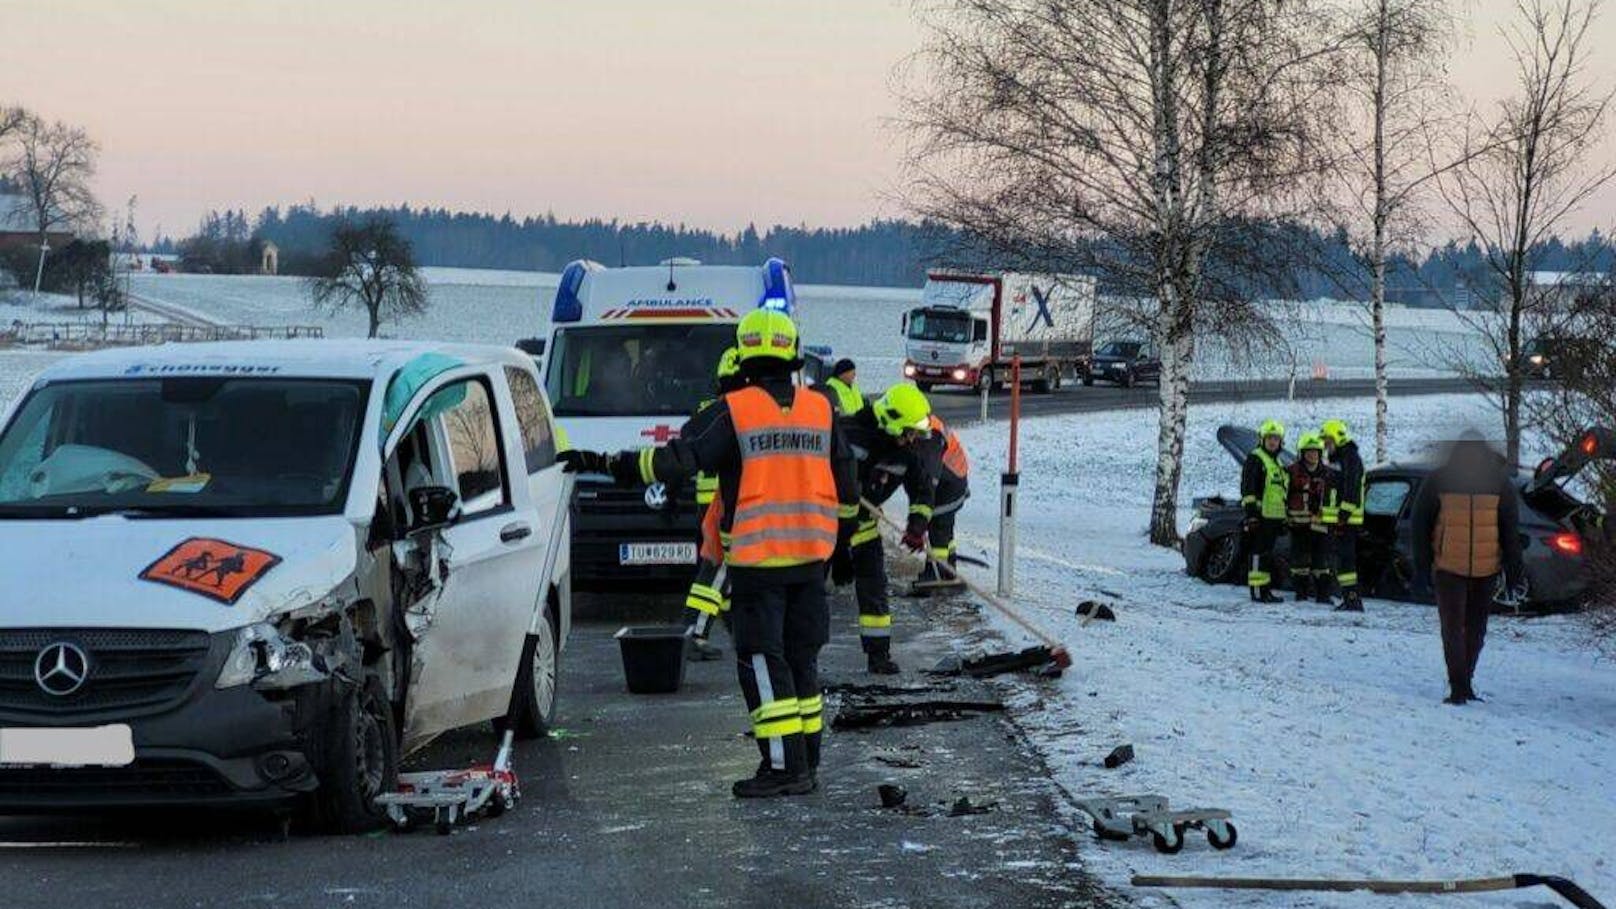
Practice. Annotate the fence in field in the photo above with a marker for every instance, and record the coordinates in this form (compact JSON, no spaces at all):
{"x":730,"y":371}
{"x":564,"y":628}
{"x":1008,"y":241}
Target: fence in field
{"x":89,"y":335}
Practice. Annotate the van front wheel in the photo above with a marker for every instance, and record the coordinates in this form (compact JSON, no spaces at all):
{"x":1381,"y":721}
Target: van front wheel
{"x":361,"y":759}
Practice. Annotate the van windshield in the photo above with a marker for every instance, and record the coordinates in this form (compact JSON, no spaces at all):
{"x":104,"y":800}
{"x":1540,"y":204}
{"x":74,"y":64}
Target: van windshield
{"x":199,"y":446}
{"x":635,"y":371}
{"x":931,"y":325}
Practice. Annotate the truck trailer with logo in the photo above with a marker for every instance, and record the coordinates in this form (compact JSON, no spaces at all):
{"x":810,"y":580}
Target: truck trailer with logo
{"x":969,"y":328}
{"x":631,"y":356}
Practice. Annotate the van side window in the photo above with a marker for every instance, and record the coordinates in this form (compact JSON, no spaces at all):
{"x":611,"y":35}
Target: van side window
{"x":474,"y":447}
{"x":538,"y":443}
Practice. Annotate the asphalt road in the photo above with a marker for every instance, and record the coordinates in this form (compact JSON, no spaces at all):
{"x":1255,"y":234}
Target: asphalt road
{"x":629,"y":805}
{"x":960,"y":406}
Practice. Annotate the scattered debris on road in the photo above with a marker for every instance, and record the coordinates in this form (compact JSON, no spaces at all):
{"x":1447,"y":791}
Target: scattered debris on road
{"x":1119,"y":755}
{"x":1091,"y":610}
{"x":1033,"y":659}
{"x":910,"y":713}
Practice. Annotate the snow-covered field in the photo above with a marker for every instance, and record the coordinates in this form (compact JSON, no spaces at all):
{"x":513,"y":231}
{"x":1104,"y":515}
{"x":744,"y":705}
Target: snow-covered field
{"x":1323,"y":733}
{"x":858,"y":322}
{"x":26,"y":306}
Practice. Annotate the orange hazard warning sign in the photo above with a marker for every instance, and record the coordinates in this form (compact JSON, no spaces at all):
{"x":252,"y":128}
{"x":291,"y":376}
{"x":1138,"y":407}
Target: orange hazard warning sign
{"x":214,"y":568}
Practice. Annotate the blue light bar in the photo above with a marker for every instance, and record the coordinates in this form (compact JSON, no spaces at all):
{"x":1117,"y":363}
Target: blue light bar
{"x":778,"y":292}
{"x":568,"y":307}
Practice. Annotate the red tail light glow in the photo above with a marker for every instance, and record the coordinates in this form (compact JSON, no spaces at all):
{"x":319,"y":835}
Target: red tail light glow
{"x":1566,"y":544}
{"x":1590,"y":445}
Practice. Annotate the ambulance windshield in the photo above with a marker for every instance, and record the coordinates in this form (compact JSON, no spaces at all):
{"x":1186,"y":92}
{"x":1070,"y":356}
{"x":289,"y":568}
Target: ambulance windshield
{"x":635,"y":370}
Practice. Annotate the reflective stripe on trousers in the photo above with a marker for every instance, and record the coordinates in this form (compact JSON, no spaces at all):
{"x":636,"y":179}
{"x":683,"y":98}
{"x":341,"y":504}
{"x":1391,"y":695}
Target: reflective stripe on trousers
{"x":875,"y":626}
{"x":776,"y":747}
{"x":812,"y":712}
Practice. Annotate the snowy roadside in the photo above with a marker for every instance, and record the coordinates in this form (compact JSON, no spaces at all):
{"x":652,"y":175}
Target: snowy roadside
{"x":1324,"y":734}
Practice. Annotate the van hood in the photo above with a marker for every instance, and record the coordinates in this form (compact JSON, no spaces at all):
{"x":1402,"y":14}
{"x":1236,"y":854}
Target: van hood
{"x":88,"y":573}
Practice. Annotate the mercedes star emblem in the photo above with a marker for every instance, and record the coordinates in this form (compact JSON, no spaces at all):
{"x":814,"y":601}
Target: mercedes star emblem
{"x":656,"y":496}
{"x":61,"y":669}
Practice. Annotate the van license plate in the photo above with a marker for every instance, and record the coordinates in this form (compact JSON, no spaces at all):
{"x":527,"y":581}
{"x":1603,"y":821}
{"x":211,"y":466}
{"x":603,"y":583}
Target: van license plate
{"x":110,"y":746}
{"x":656,"y":554}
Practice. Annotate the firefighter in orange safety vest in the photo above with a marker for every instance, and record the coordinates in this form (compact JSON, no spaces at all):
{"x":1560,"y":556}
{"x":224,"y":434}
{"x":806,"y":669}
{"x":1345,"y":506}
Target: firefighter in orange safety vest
{"x":788,"y":488}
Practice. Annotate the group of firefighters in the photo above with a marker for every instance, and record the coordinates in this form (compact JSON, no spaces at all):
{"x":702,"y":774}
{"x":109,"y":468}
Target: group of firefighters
{"x":1319,"y":498}
{"x":788,"y":476}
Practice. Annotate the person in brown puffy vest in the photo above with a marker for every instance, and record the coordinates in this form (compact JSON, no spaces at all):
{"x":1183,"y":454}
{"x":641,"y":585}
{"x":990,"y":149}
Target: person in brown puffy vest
{"x":1465,"y":536}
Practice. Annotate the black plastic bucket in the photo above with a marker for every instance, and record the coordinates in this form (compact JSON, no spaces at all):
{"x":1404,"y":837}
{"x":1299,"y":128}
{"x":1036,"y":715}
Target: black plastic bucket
{"x":653,"y":657}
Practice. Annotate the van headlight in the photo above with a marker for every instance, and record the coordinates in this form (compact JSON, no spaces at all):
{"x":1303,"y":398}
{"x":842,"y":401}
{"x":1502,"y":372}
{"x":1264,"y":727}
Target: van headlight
{"x":908,"y":370}
{"x":261,"y":656}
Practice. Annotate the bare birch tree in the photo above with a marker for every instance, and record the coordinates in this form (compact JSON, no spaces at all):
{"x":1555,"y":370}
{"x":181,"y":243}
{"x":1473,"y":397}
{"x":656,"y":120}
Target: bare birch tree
{"x":1527,"y":171}
{"x":1395,"y":146}
{"x":1139,"y":140}
{"x":53,"y":164}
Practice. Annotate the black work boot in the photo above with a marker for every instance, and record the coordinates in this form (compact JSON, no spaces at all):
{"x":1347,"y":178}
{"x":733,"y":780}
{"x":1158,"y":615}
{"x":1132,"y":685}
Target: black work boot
{"x":1304,"y":589}
{"x":1456,"y":696}
{"x":1321,"y":592}
{"x":880,"y":663}
{"x":1264,"y":595}
{"x":771,"y":783}
{"x":1350,"y":602}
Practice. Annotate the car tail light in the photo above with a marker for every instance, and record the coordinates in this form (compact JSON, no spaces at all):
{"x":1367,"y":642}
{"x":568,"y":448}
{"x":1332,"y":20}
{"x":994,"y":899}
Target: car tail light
{"x":1566,"y":544}
{"x":1590,"y":445}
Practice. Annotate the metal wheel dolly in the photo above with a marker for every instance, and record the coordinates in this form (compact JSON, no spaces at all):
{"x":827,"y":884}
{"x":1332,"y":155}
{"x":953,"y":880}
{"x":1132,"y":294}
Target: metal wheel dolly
{"x":1129,"y":816}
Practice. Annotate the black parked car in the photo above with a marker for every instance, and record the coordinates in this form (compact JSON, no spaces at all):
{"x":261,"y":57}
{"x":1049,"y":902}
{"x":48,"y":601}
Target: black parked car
{"x":1123,"y":362}
{"x":1558,"y":529}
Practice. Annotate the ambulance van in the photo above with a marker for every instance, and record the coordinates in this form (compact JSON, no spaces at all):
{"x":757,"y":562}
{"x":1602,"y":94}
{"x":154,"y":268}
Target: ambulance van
{"x":632,"y":356}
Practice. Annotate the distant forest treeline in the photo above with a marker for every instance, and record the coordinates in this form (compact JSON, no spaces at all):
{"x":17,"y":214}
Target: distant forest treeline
{"x":880,"y":253}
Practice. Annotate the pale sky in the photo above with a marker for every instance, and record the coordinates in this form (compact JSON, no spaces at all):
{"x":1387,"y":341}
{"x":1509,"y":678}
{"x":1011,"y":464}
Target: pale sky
{"x":715,"y":113}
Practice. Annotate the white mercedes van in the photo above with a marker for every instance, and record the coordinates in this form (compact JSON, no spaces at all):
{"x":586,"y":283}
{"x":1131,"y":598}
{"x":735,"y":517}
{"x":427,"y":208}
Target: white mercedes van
{"x":259,"y":572}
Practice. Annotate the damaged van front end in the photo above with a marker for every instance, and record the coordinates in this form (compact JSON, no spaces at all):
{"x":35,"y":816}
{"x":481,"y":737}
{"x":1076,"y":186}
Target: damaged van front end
{"x":215,"y":701}
{"x":259,"y":573}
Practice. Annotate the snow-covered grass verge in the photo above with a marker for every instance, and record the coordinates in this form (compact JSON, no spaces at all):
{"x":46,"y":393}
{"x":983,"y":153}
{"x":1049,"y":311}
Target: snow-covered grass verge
{"x":1323,"y":733}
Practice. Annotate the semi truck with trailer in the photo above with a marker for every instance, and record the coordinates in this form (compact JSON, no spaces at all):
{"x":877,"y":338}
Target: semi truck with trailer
{"x":970,"y":327}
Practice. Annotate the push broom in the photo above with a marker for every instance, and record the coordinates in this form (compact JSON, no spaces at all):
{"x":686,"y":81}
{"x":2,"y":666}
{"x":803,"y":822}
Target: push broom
{"x":1051,"y":651}
{"x":1566,"y":889}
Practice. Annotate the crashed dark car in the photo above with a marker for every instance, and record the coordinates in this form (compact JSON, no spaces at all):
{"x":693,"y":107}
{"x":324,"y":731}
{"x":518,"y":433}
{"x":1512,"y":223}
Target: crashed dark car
{"x":1559,"y":530}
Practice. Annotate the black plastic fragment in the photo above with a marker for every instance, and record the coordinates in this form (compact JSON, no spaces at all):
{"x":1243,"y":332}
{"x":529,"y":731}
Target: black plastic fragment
{"x":1119,"y":755}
